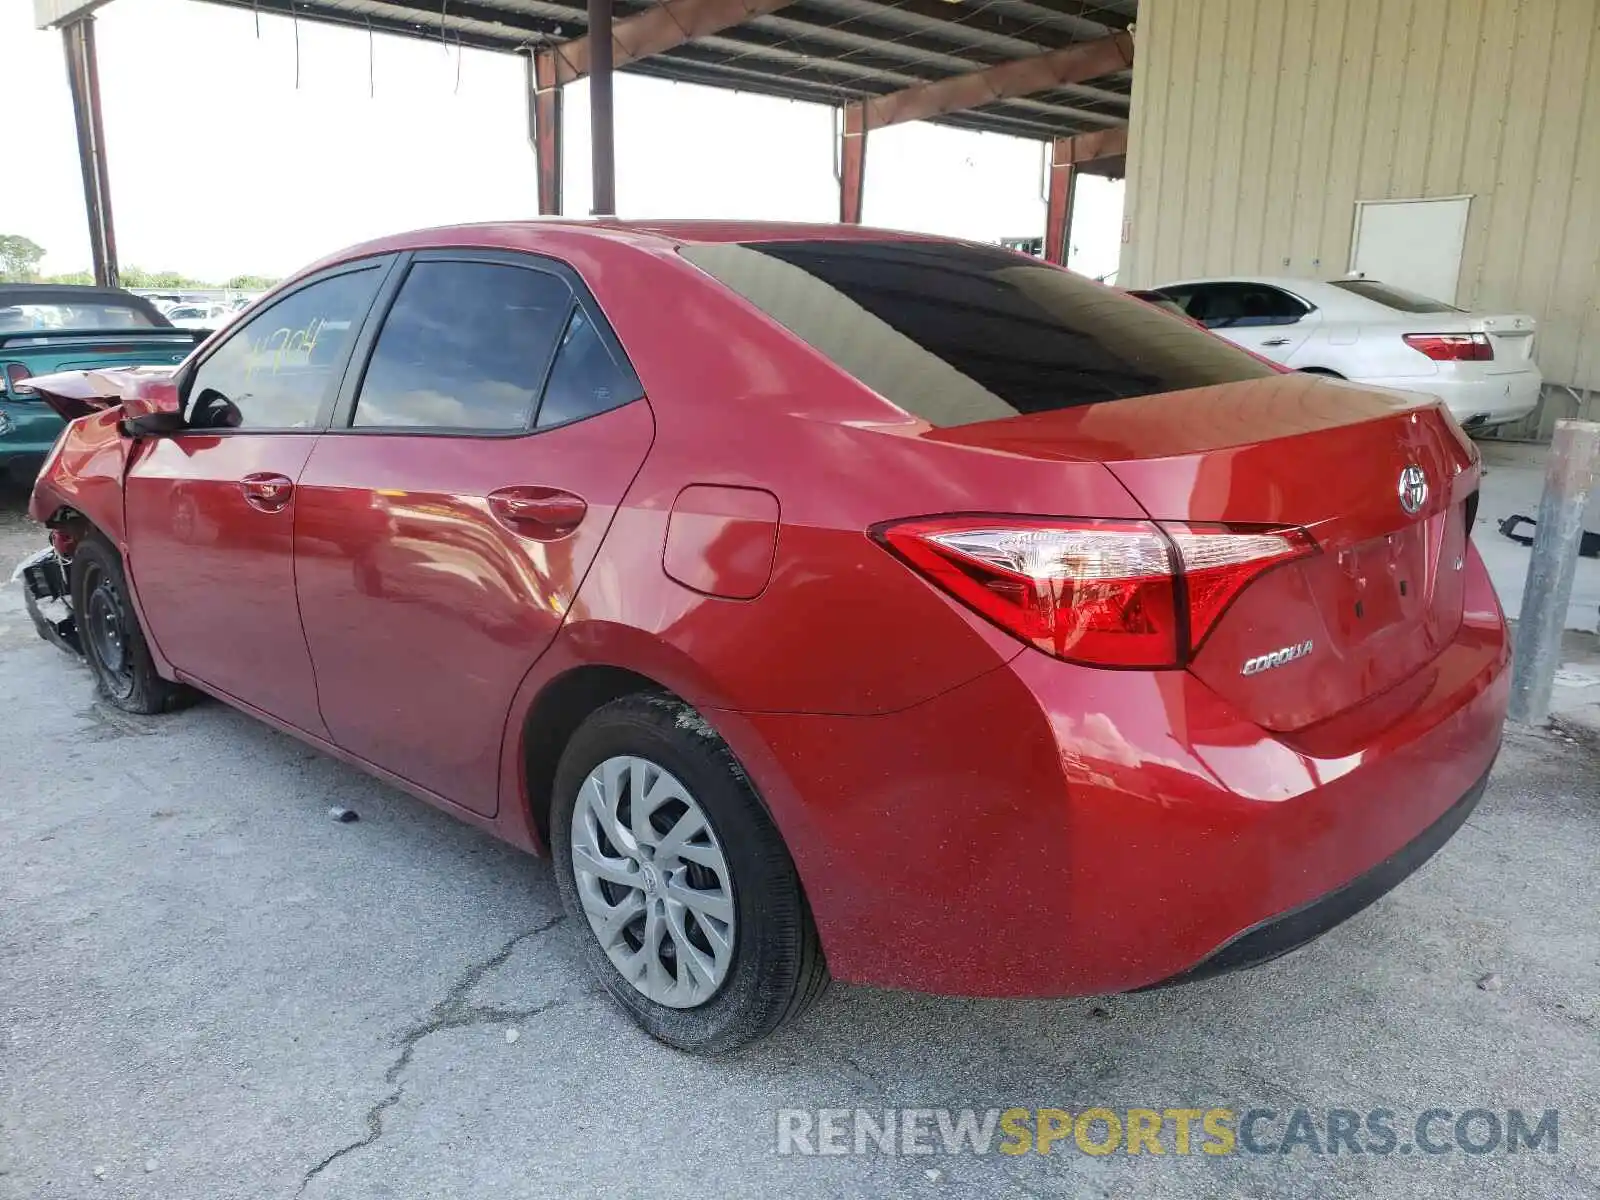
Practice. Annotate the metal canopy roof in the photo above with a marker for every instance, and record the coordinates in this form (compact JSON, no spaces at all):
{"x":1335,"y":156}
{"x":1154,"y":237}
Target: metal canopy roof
{"x":825,"y":51}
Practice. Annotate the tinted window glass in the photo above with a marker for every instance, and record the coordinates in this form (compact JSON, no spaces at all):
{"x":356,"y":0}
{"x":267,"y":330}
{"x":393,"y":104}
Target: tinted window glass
{"x":584,"y":379}
{"x":1395,"y":297}
{"x":464,"y":347}
{"x":276,"y":369}
{"x":1236,"y":305}
{"x":956,"y":334}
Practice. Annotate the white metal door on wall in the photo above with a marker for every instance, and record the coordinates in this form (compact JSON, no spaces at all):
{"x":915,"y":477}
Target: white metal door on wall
{"x":1413,"y":244}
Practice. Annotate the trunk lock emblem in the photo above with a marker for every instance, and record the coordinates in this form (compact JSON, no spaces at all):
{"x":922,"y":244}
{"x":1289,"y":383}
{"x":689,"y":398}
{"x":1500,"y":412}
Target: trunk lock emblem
{"x":1413,"y":489}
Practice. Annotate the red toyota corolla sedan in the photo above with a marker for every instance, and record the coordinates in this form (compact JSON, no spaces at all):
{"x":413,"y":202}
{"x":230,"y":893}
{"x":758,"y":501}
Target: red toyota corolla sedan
{"x":826,"y":601}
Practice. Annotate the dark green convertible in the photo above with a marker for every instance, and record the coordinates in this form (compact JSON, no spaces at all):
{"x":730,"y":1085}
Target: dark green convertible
{"x":46,"y":328}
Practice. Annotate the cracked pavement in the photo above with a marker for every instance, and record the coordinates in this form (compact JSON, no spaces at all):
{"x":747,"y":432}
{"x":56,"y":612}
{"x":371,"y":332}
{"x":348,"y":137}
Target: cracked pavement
{"x":210,"y":990}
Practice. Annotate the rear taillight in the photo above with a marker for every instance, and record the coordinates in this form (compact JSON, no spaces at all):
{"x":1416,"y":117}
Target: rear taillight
{"x":1105,"y":593}
{"x":15,"y":374}
{"x":1452,"y":347}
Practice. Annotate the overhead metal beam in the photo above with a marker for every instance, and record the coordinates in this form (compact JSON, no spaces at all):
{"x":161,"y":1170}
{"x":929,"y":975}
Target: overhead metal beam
{"x":660,"y":27}
{"x":47,"y":14}
{"x":83,"y":76}
{"x":1023,"y":77}
{"x":1066,"y":155}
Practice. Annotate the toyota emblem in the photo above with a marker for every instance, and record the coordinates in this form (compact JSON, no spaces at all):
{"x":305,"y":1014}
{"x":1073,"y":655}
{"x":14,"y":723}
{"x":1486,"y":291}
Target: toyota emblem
{"x":1413,"y":489}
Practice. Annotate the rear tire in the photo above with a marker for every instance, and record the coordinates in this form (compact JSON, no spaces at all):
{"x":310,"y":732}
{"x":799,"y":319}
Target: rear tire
{"x":112,"y":640}
{"x":717,"y":985}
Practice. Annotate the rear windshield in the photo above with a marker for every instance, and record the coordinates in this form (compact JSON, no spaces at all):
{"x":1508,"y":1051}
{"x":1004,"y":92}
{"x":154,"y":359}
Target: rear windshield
{"x":956,"y":333}
{"x":16,"y":318}
{"x":1393,"y":297}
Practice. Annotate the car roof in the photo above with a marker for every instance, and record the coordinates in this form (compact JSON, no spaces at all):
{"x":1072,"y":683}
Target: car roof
{"x":66,"y":293}
{"x":549,"y":234}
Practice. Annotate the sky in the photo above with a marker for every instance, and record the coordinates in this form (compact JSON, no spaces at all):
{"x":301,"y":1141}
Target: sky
{"x":222,"y":163}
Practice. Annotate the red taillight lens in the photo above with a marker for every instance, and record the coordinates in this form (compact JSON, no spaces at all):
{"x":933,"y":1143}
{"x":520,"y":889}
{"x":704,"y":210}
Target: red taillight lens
{"x":1106,"y":593}
{"x":1452,"y":347}
{"x":15,"y":374}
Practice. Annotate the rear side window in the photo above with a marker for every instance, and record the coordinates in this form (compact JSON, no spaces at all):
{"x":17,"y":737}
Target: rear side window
{"x":1393,"y":297}
{"x":585,"y":378}
{"x":465,"y":346}
{"x":17,"y":317}
{"x":956,"y":333}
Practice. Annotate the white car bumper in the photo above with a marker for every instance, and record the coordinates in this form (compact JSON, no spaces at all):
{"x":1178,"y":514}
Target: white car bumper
{"x":1478,"y":403}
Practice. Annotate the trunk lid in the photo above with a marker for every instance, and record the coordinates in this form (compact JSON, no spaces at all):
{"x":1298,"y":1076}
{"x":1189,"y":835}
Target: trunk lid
{"x":1383,"y":595}
{"x":1511,"y":335}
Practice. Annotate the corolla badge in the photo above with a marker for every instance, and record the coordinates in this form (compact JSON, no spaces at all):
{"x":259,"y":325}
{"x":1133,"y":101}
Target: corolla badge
{"x":1413,"y":489}
{"x":1265,"y":662}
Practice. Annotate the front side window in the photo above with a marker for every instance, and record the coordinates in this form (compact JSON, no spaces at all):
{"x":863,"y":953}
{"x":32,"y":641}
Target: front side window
{"x":465,"y":346}
{"x":276,"y":370}
{"x":956,"y":333}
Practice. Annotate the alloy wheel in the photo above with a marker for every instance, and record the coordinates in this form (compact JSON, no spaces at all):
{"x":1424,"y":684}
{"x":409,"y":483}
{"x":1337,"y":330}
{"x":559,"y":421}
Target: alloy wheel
{"x":653,"y":881}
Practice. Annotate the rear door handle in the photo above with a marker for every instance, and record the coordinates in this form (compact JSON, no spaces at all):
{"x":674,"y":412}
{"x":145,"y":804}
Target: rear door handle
{"x":1276,"y":342}
{"x":544,"y":513}
{"x":267,"y":491}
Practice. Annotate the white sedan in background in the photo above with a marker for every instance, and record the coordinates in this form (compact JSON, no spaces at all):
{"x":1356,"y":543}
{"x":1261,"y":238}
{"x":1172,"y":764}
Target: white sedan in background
{"x":1480,"y":365}
{"x":200,"y":316}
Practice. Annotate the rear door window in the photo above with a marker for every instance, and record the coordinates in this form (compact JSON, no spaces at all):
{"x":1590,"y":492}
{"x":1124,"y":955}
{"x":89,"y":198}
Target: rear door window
{"x":956,"y":333}
{"x":1243,"y":305}
{"x":465,"y":346}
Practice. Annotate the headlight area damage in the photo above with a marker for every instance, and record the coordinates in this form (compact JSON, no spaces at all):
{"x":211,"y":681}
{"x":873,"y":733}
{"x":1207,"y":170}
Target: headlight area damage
{"x":49,"y":600}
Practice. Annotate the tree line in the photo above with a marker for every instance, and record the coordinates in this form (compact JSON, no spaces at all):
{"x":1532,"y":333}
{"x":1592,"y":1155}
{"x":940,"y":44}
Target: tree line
{"x":20,"y":258}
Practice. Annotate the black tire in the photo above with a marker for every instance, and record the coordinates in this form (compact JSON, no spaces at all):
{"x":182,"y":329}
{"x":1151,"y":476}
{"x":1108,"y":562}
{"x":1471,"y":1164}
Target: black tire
{"x":777,"y":971}
{"x":1323,"y":371}
{"x":109,"y":633}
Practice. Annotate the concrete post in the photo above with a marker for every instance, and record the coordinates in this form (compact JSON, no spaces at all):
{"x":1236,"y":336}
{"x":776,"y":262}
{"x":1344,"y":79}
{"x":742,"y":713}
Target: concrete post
{"x":1569,"y":476}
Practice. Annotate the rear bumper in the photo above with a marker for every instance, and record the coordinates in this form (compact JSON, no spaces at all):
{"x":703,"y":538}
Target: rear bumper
{"x":1479,"y":403}
{"x":1048,"y":829}
{"x":1289,"y":931}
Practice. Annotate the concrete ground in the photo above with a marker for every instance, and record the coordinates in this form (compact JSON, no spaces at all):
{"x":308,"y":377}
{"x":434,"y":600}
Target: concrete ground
{"x":208,"y":989}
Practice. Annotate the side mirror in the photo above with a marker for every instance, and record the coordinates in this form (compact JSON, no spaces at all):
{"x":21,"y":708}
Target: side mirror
{"x":153,"y":407}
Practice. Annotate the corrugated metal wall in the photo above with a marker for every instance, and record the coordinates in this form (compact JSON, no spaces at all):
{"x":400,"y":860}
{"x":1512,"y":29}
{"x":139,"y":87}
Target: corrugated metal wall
{"x":1257,"y":125}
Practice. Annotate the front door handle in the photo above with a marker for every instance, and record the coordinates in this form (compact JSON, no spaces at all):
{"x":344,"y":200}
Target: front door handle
{"x":1276,"y":342}
{"x":267,"y":491}
{"x":544,"y":513}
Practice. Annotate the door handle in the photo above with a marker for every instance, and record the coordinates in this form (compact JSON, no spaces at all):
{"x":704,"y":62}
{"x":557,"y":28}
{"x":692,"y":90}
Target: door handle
{"x":545,"y":513}
{"x":267,"y":491}
{"x":1278,"y":341}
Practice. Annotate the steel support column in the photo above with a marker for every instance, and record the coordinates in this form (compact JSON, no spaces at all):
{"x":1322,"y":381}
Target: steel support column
{"x":852,"y":162}
{"x":83,"y":74}
{"x":544,"y":129}
{"x":1058,"y":207}
{"x":1066,"y":156}
{"x":602,"y":131}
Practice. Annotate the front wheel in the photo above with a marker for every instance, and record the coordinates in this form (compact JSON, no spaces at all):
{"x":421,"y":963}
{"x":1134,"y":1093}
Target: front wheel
{"x":109,"y":633}
{"x":698,"y":926}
